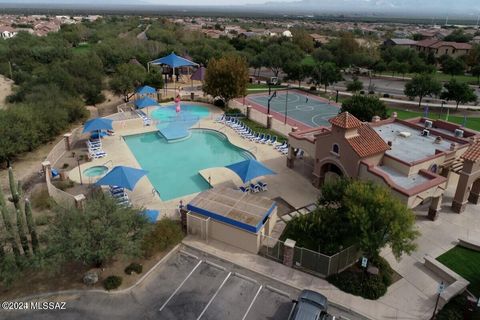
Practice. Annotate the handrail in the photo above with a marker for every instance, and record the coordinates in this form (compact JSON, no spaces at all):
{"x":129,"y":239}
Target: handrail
{"x":109,"y":161}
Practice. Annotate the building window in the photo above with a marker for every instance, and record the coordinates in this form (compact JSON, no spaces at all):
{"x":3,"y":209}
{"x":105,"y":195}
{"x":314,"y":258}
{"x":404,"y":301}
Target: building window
{"x":453,"y":51}
{"x":446,"y":51}
{"x":434,"y":168}
{"x":336,"y":149}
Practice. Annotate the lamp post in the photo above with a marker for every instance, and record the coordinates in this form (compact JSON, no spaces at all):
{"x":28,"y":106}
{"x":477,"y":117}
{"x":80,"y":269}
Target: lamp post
{"x":440,"y":289}
{"x":286,"y":104}
{"x":79,"y":170}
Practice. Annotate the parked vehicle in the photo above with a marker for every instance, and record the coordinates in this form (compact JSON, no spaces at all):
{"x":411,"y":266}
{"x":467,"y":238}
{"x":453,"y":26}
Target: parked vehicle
{"x":310,"y":305}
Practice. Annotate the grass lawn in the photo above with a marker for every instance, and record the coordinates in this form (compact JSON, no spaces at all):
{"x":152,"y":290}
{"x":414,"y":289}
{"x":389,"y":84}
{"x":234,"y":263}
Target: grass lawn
{"x":82,"y":48}
{"x":441,"y":77}
{"x":466,"y":263}
{"x":472,"y":122}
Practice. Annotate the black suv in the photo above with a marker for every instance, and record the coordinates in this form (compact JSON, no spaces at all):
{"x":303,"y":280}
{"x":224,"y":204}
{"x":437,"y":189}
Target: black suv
{"x":310,"y":305}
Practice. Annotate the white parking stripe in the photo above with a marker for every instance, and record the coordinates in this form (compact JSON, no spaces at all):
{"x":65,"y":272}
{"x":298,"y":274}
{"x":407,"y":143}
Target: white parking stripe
{"x":251,"y":303}
{"x":181,"y":284}
{"x":280,"y":292}
{"x":215,"y":265}
{"x":244,"y":277}
{"x":189,"y":254}
{"x":214,"y":295}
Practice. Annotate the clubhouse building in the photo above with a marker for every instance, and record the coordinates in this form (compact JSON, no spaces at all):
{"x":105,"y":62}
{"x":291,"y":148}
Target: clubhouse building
{"x":415,"y":157}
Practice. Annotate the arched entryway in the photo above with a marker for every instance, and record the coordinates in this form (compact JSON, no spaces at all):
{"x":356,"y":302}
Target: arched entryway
{"x":330,"y":171}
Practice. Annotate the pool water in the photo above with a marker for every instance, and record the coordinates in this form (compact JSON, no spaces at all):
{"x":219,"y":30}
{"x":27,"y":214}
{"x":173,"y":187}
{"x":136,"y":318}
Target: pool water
{"x":173,"y":167}
{"x":167,"y":114}
{"x":95,"y":171}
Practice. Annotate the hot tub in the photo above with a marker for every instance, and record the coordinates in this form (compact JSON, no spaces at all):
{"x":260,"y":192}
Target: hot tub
{"x":95,"y":171}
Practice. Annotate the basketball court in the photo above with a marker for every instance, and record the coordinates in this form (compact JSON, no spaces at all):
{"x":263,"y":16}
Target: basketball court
{"x":300,"y":107}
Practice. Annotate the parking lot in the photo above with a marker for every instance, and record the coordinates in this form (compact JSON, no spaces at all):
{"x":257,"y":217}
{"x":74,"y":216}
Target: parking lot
{"x":189,"y":285}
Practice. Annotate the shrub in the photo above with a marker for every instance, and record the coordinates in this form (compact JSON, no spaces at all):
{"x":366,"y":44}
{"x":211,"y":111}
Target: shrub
{"x":41,"y":200}
{"x":134,"y":267}
{"x":233,"y":111}
{"x":165,"y":233}
{"x":362,"y":91}
{"x":371,"y":92}
{"x":219,"y":103}
{"x":313,"y":88}
{"x":386,"y":95}
{"x":64,"y":185}
{"x":358,"y":282}
{"x":42,"y":220}
{"x":112,"y":282}
{"x":65,"y":166}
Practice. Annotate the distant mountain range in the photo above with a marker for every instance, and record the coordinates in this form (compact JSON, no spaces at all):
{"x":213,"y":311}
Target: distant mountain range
{"x":426,"y":8}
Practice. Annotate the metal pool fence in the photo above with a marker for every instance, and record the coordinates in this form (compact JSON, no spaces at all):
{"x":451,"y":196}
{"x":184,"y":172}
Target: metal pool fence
{"x":309,"y":260}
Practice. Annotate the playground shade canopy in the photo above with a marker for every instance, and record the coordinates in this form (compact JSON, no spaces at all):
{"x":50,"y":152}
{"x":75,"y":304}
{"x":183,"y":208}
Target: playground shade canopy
{"x":124,"y":177}
{"x":146,"y":90}
{"x":145,"y":102}
{"x":199,"y":74}
{"x":174,"y":61}
{"x":250,"y":169}
{"x":242,"y":210}
{"x":97,"y":124}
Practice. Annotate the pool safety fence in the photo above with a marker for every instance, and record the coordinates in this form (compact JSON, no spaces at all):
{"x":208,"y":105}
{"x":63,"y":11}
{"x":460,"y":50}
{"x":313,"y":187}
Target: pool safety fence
{"x":308,"y":260}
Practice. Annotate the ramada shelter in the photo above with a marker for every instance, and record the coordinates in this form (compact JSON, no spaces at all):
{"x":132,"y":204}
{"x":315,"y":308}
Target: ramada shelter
{"x":232,"y":216}
{"x":413,"y":157}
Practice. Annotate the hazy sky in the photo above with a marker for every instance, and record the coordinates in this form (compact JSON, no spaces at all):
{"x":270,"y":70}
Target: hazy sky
{"x":209,"y":2}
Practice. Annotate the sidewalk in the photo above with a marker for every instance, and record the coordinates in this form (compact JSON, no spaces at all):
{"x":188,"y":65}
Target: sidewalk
{"x":359,"y":307}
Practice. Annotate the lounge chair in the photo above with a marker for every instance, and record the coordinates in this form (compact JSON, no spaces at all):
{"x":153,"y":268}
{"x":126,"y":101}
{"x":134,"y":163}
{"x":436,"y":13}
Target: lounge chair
{"x":272,"y":141}
{"x":255,"y":136}
{"x":300,"y":154}
{"x":284,"y":151}
{"x":281,"y":146}
{"x":254,"y":188}
{"x":221,"y":118}
{"x":244,"y":189}
{"x":249,"y":135}
{"x":259,"y":138}
{"x":263,"y":186}
{"x":97,"y":154}
{"x":264,"y":140}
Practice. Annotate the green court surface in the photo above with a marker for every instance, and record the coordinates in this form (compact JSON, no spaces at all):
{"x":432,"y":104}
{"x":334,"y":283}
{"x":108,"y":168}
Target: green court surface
{"x":309,"y":110}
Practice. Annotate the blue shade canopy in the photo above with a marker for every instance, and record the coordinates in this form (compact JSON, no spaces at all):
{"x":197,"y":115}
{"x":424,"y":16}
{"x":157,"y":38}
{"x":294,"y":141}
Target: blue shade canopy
{"x":152,"y":215}
{"x":250,"y":169}
{"x":146,"y":90}
{"x":124,"y":177}
{"x":97,"y":124}
{"x":145,"y":102}
{"x":174,"y":61}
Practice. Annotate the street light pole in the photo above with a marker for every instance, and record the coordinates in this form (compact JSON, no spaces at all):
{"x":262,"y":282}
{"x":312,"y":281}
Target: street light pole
{"x":79,"y":171}
{"x":441,"y":287}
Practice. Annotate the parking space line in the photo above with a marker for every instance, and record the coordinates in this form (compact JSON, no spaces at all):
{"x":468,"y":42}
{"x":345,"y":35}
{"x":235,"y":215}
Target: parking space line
{"x":251,"y":303}
{"x":214,"y":295}
{"x":215,"y":265}
{"x":181,"y":284}
{"x":188,"y":254}
{"x":244,"y":277}
{"x":280,"y":292}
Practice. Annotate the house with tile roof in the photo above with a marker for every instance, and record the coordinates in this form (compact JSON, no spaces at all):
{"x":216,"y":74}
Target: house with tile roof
{"x":435,"y":46}
{"x":414,"y":158}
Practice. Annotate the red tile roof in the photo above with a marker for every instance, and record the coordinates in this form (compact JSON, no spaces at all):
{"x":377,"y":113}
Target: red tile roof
{"x":456,"y":45}
{"x":427,"y":43}
{"x":368,"y":142}
{"x":472,"y":153}
{"x":346,"y":121}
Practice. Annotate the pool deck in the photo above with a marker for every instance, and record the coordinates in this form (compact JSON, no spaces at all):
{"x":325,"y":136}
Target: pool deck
{"x":288,"y":184}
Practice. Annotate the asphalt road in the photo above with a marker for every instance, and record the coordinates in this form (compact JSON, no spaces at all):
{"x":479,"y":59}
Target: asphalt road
{"x":187,"y":286}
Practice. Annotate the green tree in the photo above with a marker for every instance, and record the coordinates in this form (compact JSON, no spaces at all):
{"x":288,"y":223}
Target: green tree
{"x":154,"y":78}
{"x":476,"y":72}
{"x":302,"y":39}
{"x":422,"y":85}
{"x":277,"y":56}
{"x":126,"y":78}
{"x":296,"y":71}
{"x":325,"y":74}
{"x":227,"y":77}
{"x":355,"y":85}
{"x":95,"y":235}
{"x":458,"y":35}
{"x":380,"y":67}
{"x":379,"y":219}
{"x":451,"y":66}
{"x":365,"y":107}
{"x":459,"y":92}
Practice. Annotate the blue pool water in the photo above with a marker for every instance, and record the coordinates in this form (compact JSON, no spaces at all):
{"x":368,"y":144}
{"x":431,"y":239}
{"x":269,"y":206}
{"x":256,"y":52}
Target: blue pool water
{"x":188,"y":112}
{"x":173,"y":167}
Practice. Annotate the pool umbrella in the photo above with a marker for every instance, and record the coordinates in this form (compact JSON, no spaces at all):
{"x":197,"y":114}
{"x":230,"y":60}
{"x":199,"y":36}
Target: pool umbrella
{"x":152,"y":215}
{"x":97,"y":124}
{"x":250,"y":169}
{"x":199,"y":74}
{"x":145,"y":102}
{"x":173,"y":61}
{"x":146,"y":90}
{"x":124,"y":177}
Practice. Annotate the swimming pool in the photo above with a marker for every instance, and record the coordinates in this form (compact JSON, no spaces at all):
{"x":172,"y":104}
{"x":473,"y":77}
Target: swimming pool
{"x":188,"y":111}
{"x":173,"y":167}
